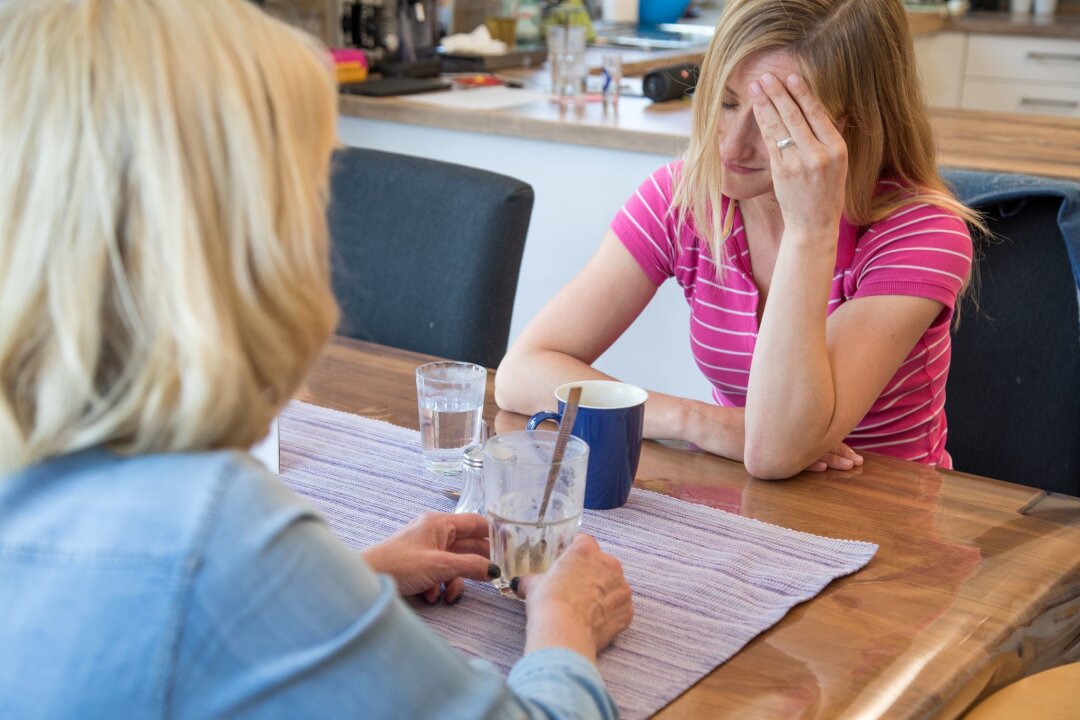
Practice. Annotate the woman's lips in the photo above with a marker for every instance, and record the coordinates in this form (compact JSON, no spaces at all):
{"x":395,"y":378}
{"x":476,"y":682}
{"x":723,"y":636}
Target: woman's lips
{"x":740,"y":169}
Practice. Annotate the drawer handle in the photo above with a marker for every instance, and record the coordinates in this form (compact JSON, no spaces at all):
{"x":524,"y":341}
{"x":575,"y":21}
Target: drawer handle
{"x":1064,"y":104}
{"x":1070,"y":57}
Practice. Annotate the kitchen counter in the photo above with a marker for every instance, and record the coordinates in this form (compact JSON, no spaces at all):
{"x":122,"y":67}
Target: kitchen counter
{"x":584,"y":163}
{"x":1003,"y":142}
{"x":1002,"y":23}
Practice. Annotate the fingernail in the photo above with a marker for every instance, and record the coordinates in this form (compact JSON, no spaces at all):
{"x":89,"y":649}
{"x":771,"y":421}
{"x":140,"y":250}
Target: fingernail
{"x":493,"y":571}
{"x":514,"y":584}
{"x":847,"y":463}
{"x":794,"y":79}
{"x":755,"y":87}
{"x":858,"y":458}
{"x":768,"y":79}
{"x":455,"y":600}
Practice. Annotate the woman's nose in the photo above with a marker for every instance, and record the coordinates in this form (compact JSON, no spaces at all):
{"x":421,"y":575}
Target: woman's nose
{"x":740,"y":135}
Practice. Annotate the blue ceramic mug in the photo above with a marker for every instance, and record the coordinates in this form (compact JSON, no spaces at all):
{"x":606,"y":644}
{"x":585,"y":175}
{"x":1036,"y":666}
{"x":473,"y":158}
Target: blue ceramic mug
{"x":610,"y":419}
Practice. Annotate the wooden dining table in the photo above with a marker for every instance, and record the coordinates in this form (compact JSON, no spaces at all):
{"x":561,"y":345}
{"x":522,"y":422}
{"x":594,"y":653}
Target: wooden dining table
{"x":976,"y":582}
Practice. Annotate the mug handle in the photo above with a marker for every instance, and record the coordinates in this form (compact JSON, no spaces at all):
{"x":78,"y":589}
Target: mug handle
{"x":535,"y":420}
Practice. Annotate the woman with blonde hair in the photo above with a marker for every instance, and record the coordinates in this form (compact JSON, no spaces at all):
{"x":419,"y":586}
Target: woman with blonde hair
{"x":164,"y":287}
{"x":819,"y":250}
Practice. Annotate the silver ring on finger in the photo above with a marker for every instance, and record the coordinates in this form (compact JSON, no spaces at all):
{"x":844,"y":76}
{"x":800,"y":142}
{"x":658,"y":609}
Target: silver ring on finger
{"x":785,"y":143}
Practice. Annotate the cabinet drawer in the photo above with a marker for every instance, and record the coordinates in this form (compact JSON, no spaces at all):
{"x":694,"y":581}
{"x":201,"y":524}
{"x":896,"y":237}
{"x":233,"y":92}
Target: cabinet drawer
{"x":1024,"y":58}
{"x":1036,"y":98}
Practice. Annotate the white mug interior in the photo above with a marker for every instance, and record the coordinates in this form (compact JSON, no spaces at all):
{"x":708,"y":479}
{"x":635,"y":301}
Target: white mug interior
{"x":604,"y":394}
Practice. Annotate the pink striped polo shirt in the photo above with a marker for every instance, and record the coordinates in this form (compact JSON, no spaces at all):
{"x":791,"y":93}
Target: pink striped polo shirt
{"x":920,"y":250}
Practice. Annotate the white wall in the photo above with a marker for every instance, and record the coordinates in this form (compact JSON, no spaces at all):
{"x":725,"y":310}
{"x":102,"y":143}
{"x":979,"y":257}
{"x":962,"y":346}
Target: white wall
{"x":578,"y":191}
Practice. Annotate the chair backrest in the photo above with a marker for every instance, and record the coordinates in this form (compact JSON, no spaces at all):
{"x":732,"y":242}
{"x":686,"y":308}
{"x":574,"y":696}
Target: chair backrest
{"x":1013,"y":395}
{"x":426,"y":254}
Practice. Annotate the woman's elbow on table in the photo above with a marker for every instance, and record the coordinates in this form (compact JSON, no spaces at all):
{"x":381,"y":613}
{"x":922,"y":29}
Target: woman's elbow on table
{"x":765,"y":461}
{"x":508,"y":386}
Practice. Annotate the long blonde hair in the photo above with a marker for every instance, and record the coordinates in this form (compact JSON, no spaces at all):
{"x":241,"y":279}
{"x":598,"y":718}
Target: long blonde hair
{"x":857,"y":57}
{"x":164,"y":279}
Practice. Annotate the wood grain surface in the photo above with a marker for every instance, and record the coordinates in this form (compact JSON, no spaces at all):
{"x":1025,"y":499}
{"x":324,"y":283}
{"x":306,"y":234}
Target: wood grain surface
{"x":976,"y":584}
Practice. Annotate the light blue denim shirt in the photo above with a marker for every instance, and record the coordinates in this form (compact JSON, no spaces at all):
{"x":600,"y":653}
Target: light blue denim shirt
{"x":199,"y":586}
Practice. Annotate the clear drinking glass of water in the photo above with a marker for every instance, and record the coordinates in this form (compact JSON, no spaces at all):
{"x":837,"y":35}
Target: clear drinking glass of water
{"x":450,"y":396}
{"x":516,"y":468}
{"x":566,"y":58}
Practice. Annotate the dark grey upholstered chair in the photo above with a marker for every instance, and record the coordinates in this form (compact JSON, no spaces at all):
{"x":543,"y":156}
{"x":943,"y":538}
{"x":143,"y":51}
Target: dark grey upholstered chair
{"x":1013,"y":395}
{"x":425,"y":255}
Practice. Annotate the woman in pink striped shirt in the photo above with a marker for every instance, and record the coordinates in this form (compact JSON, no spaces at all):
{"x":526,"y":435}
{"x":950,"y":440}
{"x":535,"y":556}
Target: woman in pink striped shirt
{"x":819,"y":250}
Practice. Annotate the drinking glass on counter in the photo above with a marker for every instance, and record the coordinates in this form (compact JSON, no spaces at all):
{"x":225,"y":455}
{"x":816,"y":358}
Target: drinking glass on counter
{"x":516,"y":470}
{"x":611,"y":70}
{"x":566,"y":57}
{"x":450,"y":397}
{"x":501,"y":21}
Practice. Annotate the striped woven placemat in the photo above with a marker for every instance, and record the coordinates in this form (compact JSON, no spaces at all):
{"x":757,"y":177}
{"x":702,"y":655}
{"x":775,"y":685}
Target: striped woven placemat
{"x":705,"y":582}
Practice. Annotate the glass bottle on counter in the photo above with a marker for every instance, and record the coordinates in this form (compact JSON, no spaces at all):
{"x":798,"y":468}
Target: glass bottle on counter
{"x":569,"y":13}
{"x":472,"y":476}
{"x":528,"y":24}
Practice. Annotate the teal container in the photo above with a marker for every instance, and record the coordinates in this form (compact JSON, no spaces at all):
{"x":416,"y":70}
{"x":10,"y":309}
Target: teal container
{"x":654,"y":12}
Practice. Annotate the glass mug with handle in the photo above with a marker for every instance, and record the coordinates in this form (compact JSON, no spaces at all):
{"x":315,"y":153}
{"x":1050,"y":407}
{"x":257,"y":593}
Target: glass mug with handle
{"x":517,"y":466}
{"x":611,"y":420}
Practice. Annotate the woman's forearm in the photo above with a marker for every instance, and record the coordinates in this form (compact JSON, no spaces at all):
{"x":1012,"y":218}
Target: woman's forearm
{"x":525,"y":384}
{"x":525,"y":381}
{"x":716,"y":429}
{"x":791,"y":396}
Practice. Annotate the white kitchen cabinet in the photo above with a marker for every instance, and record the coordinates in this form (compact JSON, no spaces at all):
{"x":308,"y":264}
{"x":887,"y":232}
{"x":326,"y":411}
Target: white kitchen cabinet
{"x":1001,"y":73}
{"x":1041,"y":60}
{"x":1023,"y":97}
{"x":940,"y":58}
{"x":1022,"y":74}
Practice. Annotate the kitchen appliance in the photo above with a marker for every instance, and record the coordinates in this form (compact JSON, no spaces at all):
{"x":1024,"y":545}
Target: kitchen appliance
{"x":670,"y":83}
{"x":398,"y":36}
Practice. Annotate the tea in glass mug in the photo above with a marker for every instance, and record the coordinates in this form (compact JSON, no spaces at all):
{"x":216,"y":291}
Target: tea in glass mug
{"x":516,"y":469}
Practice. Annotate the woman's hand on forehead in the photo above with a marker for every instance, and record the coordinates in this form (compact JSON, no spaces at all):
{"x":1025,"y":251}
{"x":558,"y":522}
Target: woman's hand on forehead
{"x":807,"y":154}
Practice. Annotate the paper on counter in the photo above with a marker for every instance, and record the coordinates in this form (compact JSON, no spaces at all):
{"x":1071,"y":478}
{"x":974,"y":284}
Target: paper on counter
{"x":478,"y":42}
{"x":487,"y":98}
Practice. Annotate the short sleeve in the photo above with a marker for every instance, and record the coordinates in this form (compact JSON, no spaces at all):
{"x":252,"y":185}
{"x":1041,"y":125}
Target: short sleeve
{"x":921,"y":251}
{"x":645,"y":225}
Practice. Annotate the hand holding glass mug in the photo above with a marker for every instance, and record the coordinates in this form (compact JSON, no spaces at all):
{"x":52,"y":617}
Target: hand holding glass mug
{"x":581,"y":603}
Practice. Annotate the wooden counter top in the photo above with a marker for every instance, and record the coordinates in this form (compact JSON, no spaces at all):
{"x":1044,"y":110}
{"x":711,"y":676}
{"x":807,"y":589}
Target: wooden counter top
{"x":1005,"y":142}
{"x":1002,"y":23}
{"x":968,"y":139}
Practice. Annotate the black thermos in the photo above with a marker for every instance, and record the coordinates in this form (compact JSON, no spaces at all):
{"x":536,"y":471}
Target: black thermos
{"x":669,"y":83}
